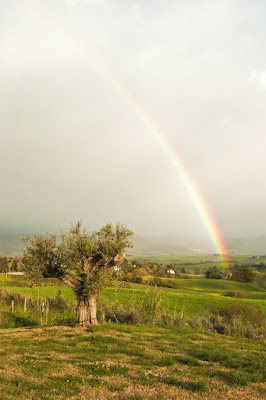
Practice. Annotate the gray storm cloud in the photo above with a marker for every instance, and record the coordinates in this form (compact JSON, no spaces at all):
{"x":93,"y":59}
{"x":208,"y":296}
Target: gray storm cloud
{"x":73,"y":144}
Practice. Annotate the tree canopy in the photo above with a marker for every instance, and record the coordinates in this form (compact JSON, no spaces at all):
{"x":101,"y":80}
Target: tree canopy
{"x":81,"y":260}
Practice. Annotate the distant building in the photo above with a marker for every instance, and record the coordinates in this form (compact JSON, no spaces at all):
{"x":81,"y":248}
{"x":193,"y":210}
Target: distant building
{"x":171,"y":272}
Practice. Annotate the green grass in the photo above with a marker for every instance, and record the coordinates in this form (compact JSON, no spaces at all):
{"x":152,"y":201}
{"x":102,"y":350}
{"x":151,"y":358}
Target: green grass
{"x":193,"y":302}
{"x":43,"y":291}
{"x":193,"y":295}
{"x":128,"y":362}
{"x":219,"y":286}
{"x":200,"y":261}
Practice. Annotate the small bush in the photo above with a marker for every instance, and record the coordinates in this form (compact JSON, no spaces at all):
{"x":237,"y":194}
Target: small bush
{"x":236,"y":319}
{"x":149,"y":311}
{"x":169,"y":283}
{"x":58,"y":303}
{"x":232,"y":294}
{"x":213,"y":273}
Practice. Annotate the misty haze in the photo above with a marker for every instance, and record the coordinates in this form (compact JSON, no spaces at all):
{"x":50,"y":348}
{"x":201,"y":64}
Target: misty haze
{"x":78,"y":79}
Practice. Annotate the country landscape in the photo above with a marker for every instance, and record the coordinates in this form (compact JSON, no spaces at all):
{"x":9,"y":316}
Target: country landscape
{"x":132,"y":200}
{"x":170,"y":327}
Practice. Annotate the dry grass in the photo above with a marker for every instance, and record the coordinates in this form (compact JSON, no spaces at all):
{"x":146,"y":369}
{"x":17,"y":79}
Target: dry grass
{"x":126,"y":363}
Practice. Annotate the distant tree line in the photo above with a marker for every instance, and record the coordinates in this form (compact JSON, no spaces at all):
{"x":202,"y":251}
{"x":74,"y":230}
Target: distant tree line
{"x":3,"y":264}
{"x":239,"y":273}
{"x":10,"y":264}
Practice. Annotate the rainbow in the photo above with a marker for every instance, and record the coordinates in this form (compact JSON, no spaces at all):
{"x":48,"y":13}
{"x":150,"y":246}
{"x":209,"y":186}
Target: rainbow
{"x":198,"y":199}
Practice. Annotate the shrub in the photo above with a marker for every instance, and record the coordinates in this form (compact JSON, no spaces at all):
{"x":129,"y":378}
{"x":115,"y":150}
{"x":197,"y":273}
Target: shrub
{"x":236,"y":319}
{"x":213,"y":273}
{"x":243,"y":274}
{"x":170,"y":283}
{"x":148,"y":311}
{"x":58,"y":303}
{"x":232,"y":294}
{"x":140,"y":280}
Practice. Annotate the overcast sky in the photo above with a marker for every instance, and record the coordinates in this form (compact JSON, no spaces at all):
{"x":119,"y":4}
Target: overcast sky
{"x":73,"y":146}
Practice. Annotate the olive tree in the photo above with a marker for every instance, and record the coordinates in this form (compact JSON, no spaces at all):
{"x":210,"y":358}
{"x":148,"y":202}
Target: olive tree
{"x":81,"y":260}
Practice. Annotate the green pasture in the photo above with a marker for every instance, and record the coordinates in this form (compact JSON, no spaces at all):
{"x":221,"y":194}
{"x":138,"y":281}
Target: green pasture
{"x":193,"y":295}
{"x":174,"y":300}
{"x":200,"y":261}
{"x":220,"y":286}
{"x":43,"y":291}
{"x":184,"y":261}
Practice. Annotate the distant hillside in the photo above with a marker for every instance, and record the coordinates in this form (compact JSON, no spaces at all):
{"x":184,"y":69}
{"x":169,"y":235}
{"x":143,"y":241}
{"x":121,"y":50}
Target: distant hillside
{"x":148,"y":245}
{"x":248,"y":246}
{"x":11,"y":245}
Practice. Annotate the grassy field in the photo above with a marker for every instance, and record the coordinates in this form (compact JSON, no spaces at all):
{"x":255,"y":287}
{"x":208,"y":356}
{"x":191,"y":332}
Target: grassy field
{"x":191,"y":262}
{"x":193,"y":295}
{"x":128,"y":362}
{"x":134,"y":362}
{"x":202,"y":261}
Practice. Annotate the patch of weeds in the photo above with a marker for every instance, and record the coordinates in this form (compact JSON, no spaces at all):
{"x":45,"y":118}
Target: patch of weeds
{"x":261,"y":390}
{"x":95,"y":382}
{"x":72,"y":343}
{"x":136,"y":397}
{"x":127,"y":349}
{"x":23,"y":384}
{"x":238,"y":377}
{"x":69,"y":385}
{"x":198,"y":386}
{"x":144,"y":360}
{"x":5,"y":398}
{"x":116,"y":388}
{"x":172,"y":381}
{"x":150,"y":377}
{"x":27,"y":360}
{"x":186,"y":360}
{"x":250,"y":363}
{"x":50,"y":345}
{"x":88,"y":354}
{"x":211,"y":354}
{"x":97,"y":369}
{"x":242,"y":378}
{"x":194,"y":386}
{"x":94,"y":328}
{"x":98,"y":340}
{"x":69,"y":335}
{"x":39,"y":365}
{"x":166,"y":361}
{"x":133,"y":352}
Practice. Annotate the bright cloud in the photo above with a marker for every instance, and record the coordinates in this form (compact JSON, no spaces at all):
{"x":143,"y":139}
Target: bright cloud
{"x":73,"y":3}
{"x":259,"y":78}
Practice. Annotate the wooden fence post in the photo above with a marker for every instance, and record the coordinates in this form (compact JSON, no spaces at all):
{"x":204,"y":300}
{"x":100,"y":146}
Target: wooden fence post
{"x":25,"y":304}
{"x":47,"y":312}
{"x":12,"y":306}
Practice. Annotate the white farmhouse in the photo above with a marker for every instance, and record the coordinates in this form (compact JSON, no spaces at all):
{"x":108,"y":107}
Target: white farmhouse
{"x":171,"y":272}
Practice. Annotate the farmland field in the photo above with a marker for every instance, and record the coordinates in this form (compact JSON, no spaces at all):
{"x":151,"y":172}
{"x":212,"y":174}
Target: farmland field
{"x":132,"y":362}
{"x":193,"y":296}
{"x":202,"y":262}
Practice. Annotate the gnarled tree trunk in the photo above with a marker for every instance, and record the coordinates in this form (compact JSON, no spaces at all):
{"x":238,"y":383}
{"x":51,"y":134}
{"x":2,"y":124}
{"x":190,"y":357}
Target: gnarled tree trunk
{"x":93,"y":310}
{"x":86,"y":311}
